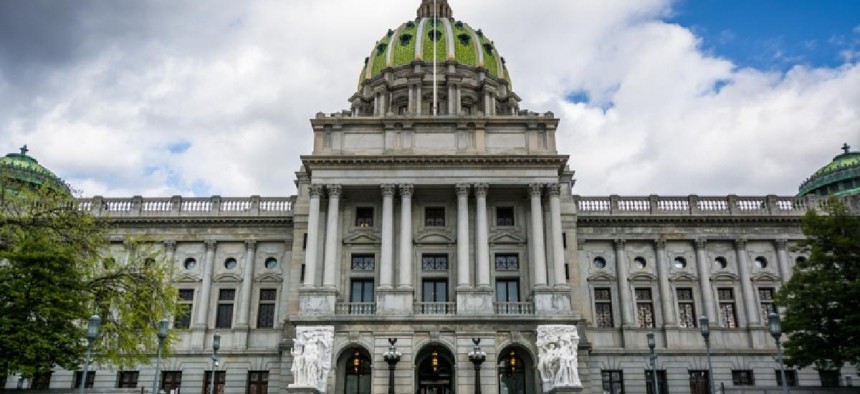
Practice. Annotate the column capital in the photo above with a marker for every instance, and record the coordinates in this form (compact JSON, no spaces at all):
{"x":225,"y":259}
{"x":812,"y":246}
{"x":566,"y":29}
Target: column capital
{"x":619,"y":243}
{"x":406,"y":190}
{"x":387,"y":190}
{"x":553,"y":189}
{"x":210,"y":244}
{"x":170,"y":245}
{"x":481,"y":189}
{"x":660,"y":244}
{"x":250,"y":244}
{"x":463,"y":189}
{"x":741,"y":243}
{"x":535,"y":189}
{"x":700,"y":243}
{"x":334,"y":191}
{"x":781,"y":244}
{"x":315,"y":191}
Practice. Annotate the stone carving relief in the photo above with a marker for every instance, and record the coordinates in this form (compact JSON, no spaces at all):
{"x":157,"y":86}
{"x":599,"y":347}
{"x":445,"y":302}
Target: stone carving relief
{"x":312,"y":351}
{"x":557,"y":357}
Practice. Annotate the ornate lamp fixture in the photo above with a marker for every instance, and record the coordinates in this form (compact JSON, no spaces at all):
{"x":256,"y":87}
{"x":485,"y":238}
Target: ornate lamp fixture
{"x":776,"y":331}
{"x":392,"y":357}
{"x":477,"y":357}
{"x":704,"y":325}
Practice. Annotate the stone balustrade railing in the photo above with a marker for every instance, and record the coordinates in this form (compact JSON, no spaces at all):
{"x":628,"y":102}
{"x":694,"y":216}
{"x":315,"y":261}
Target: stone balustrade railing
{"x":138,"y":206}
{"x":695,"y":205}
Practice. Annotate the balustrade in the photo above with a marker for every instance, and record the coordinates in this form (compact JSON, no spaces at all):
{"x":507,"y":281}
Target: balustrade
{"x":694,"y":205}
{"x":179,"y":206}
{"x":435,"y":308}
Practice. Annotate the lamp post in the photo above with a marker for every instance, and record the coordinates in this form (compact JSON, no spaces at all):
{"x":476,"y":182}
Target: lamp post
{"x":92,"y":333}
{"x":477,"y":357}
{"x":653,"y":359}
{"x":776,"y":332}
{"x":216,"y":344}
{"x":162,"y":334}
{"x":704,"y":324}
{"x":392,"y":357}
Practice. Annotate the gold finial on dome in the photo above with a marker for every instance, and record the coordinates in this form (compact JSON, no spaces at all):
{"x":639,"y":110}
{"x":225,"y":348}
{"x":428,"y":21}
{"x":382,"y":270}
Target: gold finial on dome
{"x":443,"y":10}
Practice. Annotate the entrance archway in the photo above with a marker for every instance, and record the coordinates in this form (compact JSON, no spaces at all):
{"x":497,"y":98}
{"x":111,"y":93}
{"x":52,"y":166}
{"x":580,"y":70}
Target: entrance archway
{"x":516,"y":371}
{"x":357,"y":371}
{"x":434,"y":368}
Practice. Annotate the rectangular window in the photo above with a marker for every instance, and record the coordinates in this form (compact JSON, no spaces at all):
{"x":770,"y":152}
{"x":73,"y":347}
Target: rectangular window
{"x":644,"y":307}
{"x":434,"y":262}
{"x":504,"y":216}
{"x":507,"y":290}
{"x":224,"y":315}
{"x":790,"y":377}
{"x":41,"y":381}
{"x":603,"y":307}
{"x":434,"y":217}
{"x":220,"y":379}
{"x":765,"y":297}
{"x":363,"y":262}
{"x":266,"y":310}
{"x":435,"y":290}
{"x":364,"y":217}
{"x":507,"y":262}
{"x":728,"y":316}
{"x":127,"y":379}
{"x":362,"y":291}
{"x":186,"y":301}
{"x":828,"y":378}
{"x":258,"y":382}
{"x":171,"y":381}
{"x":613,"y":381}
{"x":699,"y":382}
{"x":661,"y":381}
{"x":743,"y":377}
{"x":686,"y":308}
{"x":91,"y":378}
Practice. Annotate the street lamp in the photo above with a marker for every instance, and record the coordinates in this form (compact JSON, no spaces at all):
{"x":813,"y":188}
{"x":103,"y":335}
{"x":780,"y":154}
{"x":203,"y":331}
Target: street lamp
{"x":477,"y":357}
{"x":392,"y":357}
{"x":92,"y":333}
{"x":704,"y":324}
{"x":162,"y":334}
{"x":216,"y":344}
{"x":776,"y":332}
{"x":653,"y":359}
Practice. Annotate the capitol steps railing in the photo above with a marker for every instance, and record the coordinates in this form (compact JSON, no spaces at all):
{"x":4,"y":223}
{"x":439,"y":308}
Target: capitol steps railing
{"x":435,"y":308}
{"x":138,"y":206}
{"x":355,"y":308}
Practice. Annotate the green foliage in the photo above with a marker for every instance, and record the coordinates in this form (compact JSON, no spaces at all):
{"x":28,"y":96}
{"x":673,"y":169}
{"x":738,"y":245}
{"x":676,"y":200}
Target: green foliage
{"x":54,"y":275}
{"x":821,"y":317}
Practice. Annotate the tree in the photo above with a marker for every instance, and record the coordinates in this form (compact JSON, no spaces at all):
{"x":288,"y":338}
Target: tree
{"x":821,"y":315}
{"x":55,"y":271}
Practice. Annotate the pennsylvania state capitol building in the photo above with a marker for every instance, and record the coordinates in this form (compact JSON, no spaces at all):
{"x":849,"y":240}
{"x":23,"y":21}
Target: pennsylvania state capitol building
{"x":435,"y":226}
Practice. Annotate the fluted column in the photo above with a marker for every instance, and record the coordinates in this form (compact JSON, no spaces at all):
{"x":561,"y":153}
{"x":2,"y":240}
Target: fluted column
{"x":406,"y":192}
{"x":206,"y":289}
{"x":782,"y":260}
{"x":537,"y":239}
{"x":746,"y":284}
{"x":313,"y":234}
{"x":331,"y":235}
{"x":244,"y":299}
{"x":386,"y":276}
{"x":663,"y":280}
{"x":419,"y":99}
{"x":705,"y":281}
{"x":482,"y":261}
{"x":557,"y":241}
{"x":170,"y":249}
{"x":463,"y":271}
{"x":624,"y":298}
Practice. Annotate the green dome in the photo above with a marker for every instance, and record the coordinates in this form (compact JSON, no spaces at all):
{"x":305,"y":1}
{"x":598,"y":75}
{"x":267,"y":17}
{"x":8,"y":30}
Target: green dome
{"x":839,"y":178}
{"x":26,"y":170}
{"x":454,"y":41}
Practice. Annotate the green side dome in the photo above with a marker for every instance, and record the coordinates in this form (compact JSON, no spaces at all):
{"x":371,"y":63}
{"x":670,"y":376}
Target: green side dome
{"x":25,"y":170}
{"x":839,"y":178}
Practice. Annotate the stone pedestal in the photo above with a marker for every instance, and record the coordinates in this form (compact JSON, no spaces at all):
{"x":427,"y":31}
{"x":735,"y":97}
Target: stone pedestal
{"x":566,"y":390}
{"x":394,"y":302}
{"x":552,"y":301}
{"x":475,"y":302}
{"x":317,"y":302}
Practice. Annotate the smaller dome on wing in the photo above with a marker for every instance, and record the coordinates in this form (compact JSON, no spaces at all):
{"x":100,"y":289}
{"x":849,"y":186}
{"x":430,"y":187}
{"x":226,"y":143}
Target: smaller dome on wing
{"x":839,"y":178}
{"x":23,"y":170}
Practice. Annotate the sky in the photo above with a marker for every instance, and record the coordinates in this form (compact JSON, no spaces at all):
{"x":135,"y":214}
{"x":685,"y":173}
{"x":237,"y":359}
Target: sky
{"x":668,"y":97}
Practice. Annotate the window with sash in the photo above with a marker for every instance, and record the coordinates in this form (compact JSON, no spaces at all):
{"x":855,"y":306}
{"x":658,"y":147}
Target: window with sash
{"x":507,"y":262}
{"x":790,"y":377}
{"x":434,"y":217}
{"x":41,"y":381}
{"x":434,"y":262}
{"x":613,"y":381}
{"x":224,"y":313}
{"x":171,"y":381}
{"x":127,"y":379}
{"x":765,"y":298}
{"x":363,"y":262}
{"x":504,"y":216}
{"x":220,"y":380}
{"x":661,"y":381}
{"x":743,"y":377}
{"x":435,"y":290}
{"x":258,"y":382}
{"x":507,"y":290}
{"x":603,"y":307}
{"x":266,"y":308}
{"x":644,"y":307}
{"x":362,"y":291}
{"x":91,"y":379}
{"x":186,"y":302}
{"x":686,"y":308}
{"x":364,"y":217}
{"x":728,"y":315}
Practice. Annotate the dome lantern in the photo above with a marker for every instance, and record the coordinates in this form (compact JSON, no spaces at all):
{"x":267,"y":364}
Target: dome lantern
{"x":443,"y":10}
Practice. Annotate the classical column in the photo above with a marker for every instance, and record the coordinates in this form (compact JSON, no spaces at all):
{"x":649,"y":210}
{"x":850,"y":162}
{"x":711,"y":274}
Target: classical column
{"x":331,"y":235}
{"x":244,"y":310}
{"x":705,"y":281}
{"x":386,"y":276}
{"x":482,"y":260}
{"x":419,"y":99}
{"x":782,"y":260}
{"x":406,"y":236}
{"x":557,"y":241}
{"x":663,"y":277}
{"x":537,"y":240}
{"x":746,"y":283}
{"x":313,"y":233}
{"x":463,"y":236}
{"x":206,"y":288}
{"x":170,"y":248}
{"x":624,"y":299}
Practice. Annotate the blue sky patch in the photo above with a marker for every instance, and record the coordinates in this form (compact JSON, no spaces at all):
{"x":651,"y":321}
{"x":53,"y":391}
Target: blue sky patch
{"x":178,"y":148}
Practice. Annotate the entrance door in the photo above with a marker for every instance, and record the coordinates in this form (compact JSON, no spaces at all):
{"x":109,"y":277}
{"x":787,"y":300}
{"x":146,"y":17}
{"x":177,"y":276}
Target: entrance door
{"x":698,"y":382}
{"x":435,"y":374}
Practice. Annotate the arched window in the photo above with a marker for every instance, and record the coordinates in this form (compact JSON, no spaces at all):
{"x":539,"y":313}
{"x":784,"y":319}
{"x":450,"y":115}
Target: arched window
{"x":358,"y":373}
{"x":512,"y":372}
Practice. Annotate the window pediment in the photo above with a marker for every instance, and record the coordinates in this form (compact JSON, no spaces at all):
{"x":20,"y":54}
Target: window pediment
{"x":507,"y":237}
{"x":724,"y":276}
{"x":362,"y":238}
{"x":601,"y":277}
{"x":228,"y":277}
{"x":186,"y":277}
{"x":764,"y":276}
{"x":269,"y":277}
{"x":683,"y":276}
{"x":434,"y":237}
{"x":642,"y":277}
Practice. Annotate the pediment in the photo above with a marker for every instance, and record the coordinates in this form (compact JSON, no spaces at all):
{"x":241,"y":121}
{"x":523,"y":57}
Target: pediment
{"x":269,"y":277}
{"x":507,"y":237}
{"x":641,"y":276}
{"x":228,"y":277}
{"x":683,"y":276}
{"x":363,"y":238}
{"x":601,"y":277}
{"x":434,"y":237}
{"x":186,"y":277}
{"x":724,"y":276}
{"x":764,"y":276}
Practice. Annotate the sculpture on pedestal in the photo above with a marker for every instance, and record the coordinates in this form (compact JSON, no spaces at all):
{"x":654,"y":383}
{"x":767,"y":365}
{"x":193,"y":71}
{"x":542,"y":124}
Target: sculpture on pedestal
{"x":312,"y":357}
{"x":557,"y":358}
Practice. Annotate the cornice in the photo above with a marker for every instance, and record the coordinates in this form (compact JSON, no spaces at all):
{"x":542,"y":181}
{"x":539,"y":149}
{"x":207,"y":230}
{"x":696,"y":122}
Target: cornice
{"x":317,"y":162}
